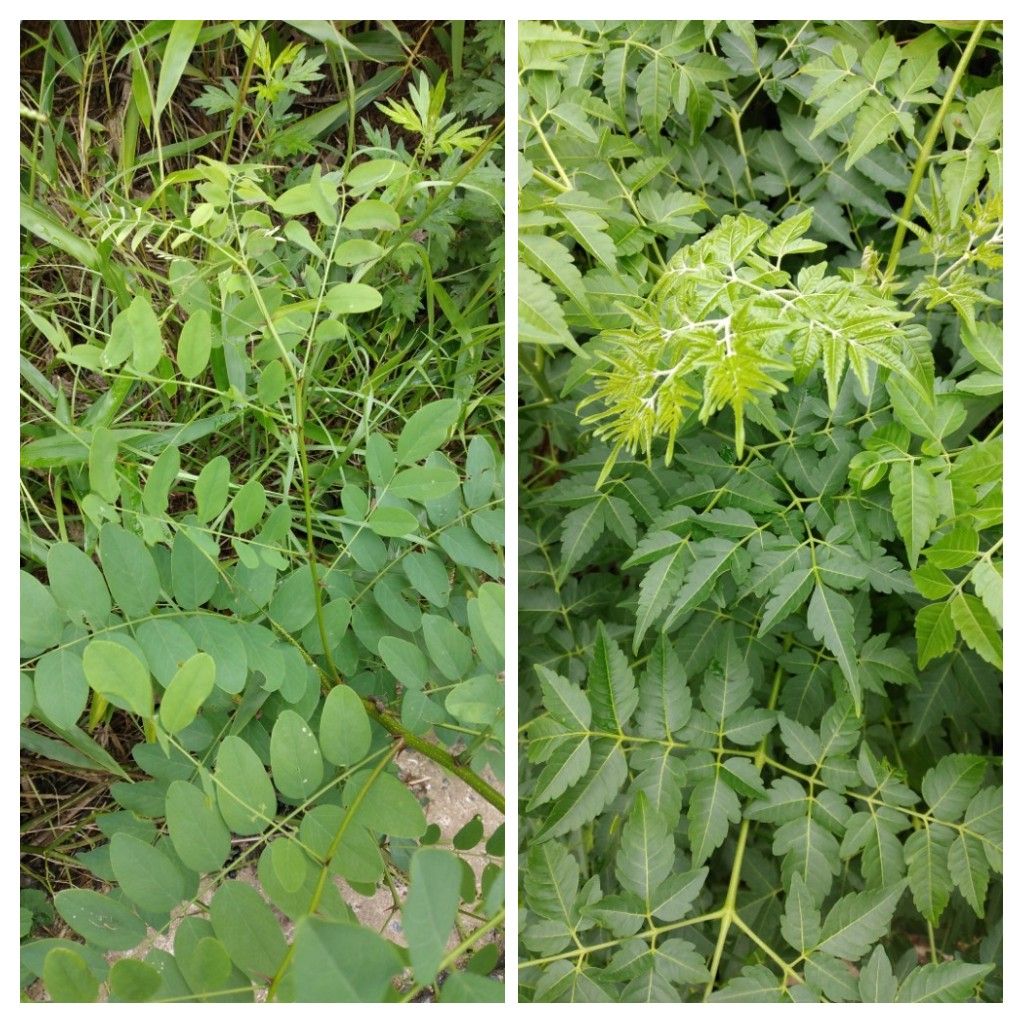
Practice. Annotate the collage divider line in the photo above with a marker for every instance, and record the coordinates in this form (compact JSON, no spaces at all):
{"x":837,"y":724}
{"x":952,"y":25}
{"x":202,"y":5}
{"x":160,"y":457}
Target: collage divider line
{"x":511,"y":519}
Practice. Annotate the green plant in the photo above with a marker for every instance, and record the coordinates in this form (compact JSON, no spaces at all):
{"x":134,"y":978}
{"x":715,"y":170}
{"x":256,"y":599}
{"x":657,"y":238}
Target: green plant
{"x":262,"y":531}
{"x":760,"y":557}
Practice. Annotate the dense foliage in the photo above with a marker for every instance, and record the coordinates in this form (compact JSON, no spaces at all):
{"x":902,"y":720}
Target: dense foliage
{"x":760,"y":552}
{"x":262,"y":527}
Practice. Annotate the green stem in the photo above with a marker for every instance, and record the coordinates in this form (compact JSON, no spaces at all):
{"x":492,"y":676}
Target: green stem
{"x":550,"y":152}
{"x":728,"y":910}
{"x":537,"y":376}
{"x":597,"y":947}
{"x":437,"y":754}
{"x":243,"y":89}
{"x":729,"y":906}
{"x":325,"y":871}
{"x":764,"y":947}
{"x":926,"y":150}
{"x":931,"y":942}
{"x":307,"y":505}
{"x":463,"y":947}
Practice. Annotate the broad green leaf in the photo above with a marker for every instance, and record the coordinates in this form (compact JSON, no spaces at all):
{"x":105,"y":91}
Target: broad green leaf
{"x":551,"y":259}
{"x":653,"y":92}
{"x":392,"y":522}
{"x":611,"y":688}
{"x":245,"y":795}
{"x":950,"y":982}
{"x":344,"y":727}
{"x":369,"y":174}
{"x":788,"y":595}
{"x":580,"y":532}
{"x":927,"y":857}
{"x":913,"y":506}
{"x":876,"y":121}
{"x":371,"y":214}
{"x":141,"y":326}
{"x":117,"y":675}
{"x":60,"y":687}
{"x":129,"y":570}
{"x":713,"y":806}
{"x":294,"y":604}
{"x":248,"y":929}
{"x":646,"y":852}
{"x":67,"y":977}
{"x":479,"y":700}
{"x":200,"y":838}
{"x":148,"y":877}
{"x":468,"y":987}
{"x":949,"y":785}
{"x":103,"y":464}
{"x":76,"y":583}
{"x":977,"y":627}
{"x":957,"y":548}
{"x":664,"y":704}
{"x":186,"y":692}
{"x":388,"y":806}
{"x":935,"y":633}
{"x":428,"y":914}
{"x":424,"y":483}
{"x":295,"y":760}
{"x":449,"y":649}
{"x":541,"y":319}
{"x":160,"y":480}
{"x":354,"y":251}
{"x":41,"y":620}
{"x":339,"y":963}
{"x":99,"y":919}
{"x":801,"y":923}
{"x":968,"y":869}
{"x":347,"y":298}
{"x":565,"y":701}
{"x":858,"y":920}
{"x":248,"y":505}
{"x":842,"y":101}
{"x":194,"y":573}
{"x":591,"y":795}
{"x":405,"y":661}
{"x":877,"y":982}
{"x":830,"y":619}
{"x":426,"y":430}
{"x":211,"y":488}
{"x":660,"y":584}
{"x":194,"y":344}
{"x":713,"y":558}
{"x":132,"y":981}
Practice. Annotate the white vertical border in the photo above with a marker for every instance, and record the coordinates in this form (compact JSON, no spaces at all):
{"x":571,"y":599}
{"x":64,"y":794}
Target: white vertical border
{"x":511,"y":521}
{"x":1013,"y":374}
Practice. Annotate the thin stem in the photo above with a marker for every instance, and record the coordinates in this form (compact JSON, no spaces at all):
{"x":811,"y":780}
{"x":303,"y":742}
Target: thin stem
{"x":462,"y":948}
{"x":243,"y":89}
{"x":926,"y":150}
{"x":580,"y":951}
{"x":551,"y":155}
{"x":764,"y":947}
{"x":436,"y":754}
{"x":729,"y":907}
{"x":325,"y":871}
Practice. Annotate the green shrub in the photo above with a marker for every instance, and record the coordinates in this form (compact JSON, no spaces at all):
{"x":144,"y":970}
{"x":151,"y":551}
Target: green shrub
{"x":262,"y":531}
{"x":761,"y":550}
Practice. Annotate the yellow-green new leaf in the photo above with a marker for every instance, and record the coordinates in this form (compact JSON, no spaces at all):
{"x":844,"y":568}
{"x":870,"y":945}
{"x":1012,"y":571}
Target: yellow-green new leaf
{"x":117,"y":675}
{"x":187,"y":691}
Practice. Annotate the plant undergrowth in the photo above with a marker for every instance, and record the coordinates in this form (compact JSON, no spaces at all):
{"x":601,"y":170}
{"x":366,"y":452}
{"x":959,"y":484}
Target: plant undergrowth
{"x":761,"y":547}
{"x":261,"y":495}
